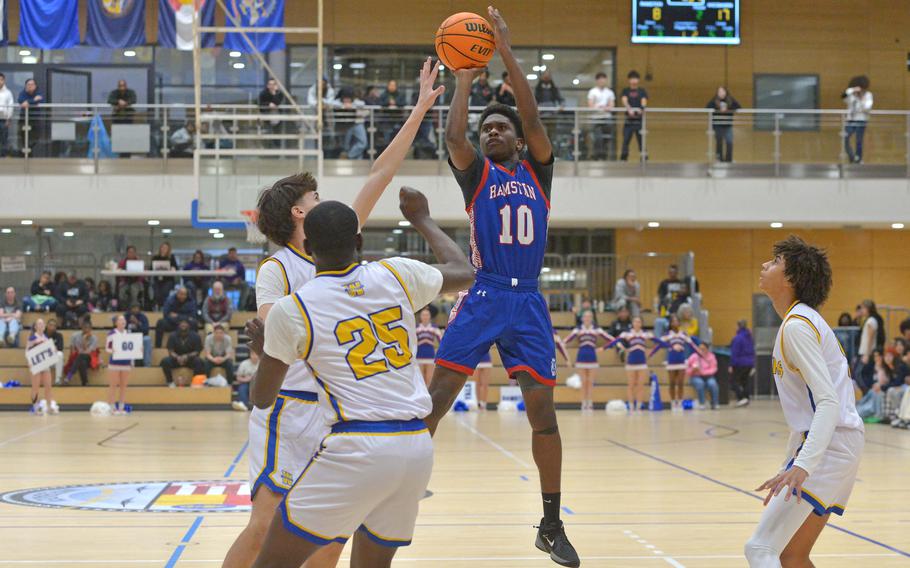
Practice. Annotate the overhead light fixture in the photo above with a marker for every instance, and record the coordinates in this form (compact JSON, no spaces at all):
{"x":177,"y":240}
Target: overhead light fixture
{"x":69,"y":234}
{"x":214,"y":231}
{"x":776,"y":225}
{"x":239,"y":65}
{"x":897,"y":225}
{"x":153,"y":222}
{"x":441,"y":66}
{"x":27,"y":253}
{"x":575,"y":81}
{"x":48,"y":229}
{"x":296,"y":64}
{"x":653,"y":224}
{"x":24,"y":52}
{"x":404,"y":223}
{"x":545,"y":269}
{"x":235,"y":54}
{"x":548,"y":57}
{"x":26,"y":222}
{"x":218,"y":235}
{"x":338,"y":67}
{"x":167,"y":231}
{"x":30,"y":60}
{"x":6,"y":231}
{"x":357,"y":65}
{"x":532,"y":76}
{"x":397,"y":231}
{"x":129,"y":53}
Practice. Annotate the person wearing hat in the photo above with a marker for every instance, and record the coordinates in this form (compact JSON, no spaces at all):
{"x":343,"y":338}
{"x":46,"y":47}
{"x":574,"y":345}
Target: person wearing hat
{"x":742,"y":360}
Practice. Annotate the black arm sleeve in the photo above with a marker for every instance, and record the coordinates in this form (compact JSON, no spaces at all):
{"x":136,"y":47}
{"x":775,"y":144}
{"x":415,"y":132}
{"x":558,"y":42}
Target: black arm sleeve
{"x":469,"y":178}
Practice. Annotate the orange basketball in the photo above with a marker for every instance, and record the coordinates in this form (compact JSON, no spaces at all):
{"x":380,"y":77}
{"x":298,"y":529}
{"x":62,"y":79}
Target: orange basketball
{"x":465,"y":41}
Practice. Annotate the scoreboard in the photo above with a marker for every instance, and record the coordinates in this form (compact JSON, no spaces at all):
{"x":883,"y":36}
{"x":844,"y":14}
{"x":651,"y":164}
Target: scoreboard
{"x":711,"y":22}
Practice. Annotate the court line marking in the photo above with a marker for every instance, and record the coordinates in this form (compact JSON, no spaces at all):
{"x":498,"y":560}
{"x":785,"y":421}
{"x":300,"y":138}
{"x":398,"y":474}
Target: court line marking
{"x":30,"y":433}
{"x":175,"y":557}
{"x":750,"y":494}
{"x":117,"y":433}
{"x":234,"y":463}
{"x":488,"y":440}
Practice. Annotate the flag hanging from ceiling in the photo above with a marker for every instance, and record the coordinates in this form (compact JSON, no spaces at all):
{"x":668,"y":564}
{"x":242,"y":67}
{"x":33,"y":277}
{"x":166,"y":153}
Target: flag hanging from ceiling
{"x":49,"y":24}
{"x":255,"y":14}
{"x":4,"y":34}
{"x":175,"y":22}
{"x":115,"y":23}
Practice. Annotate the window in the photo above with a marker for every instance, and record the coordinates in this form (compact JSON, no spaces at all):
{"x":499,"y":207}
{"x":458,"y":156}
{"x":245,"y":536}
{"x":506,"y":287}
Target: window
{"x":786,"y":92}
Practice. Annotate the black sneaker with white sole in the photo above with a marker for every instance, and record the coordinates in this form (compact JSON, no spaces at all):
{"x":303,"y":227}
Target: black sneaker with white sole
{"x":552,"y":539}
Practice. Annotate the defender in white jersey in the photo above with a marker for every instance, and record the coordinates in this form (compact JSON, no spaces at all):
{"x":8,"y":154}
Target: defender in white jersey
{"x":354,"y":325}
{"x":284,"y":436}
{"x":816,"y":393}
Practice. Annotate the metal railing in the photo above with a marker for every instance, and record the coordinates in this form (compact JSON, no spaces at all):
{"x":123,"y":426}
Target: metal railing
{"x":767,"y":142}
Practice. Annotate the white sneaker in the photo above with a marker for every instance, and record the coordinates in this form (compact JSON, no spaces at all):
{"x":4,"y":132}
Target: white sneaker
{"x":702,"y":406}
{"x":37,"y":409}
{"x":54,"y":407}
{"x":239,"y":406}
{"x":742,"y":402}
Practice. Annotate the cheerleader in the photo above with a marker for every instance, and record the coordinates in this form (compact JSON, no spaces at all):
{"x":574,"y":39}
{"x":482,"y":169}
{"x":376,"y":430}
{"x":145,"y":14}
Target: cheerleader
{"x":635,"y":341}
{"x":482,"y":376}
{"x":586,"y":364}
{"x":428,"y":336}
{"x":675,"y":342}
{"x":43,"y":378}
{"x":118,"y":371}
{"x":560,"y":346}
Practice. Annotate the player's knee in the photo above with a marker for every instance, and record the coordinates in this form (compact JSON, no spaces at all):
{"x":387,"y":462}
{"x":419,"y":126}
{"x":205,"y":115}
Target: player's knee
{"x":760,"y":555}
{"x":794,"y":559}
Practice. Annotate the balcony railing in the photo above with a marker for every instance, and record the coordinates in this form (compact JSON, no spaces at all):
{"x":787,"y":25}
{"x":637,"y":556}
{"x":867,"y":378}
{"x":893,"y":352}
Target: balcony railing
{"x":679,"y":142}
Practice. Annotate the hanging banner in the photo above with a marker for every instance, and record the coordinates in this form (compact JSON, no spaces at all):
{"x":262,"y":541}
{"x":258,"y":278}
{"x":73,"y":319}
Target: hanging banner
{"x":255,"y":14}
{"x":115,"y":23}
{"x":49,"y":24}
{"x":4,"y":29}
{"x":175,"y":22}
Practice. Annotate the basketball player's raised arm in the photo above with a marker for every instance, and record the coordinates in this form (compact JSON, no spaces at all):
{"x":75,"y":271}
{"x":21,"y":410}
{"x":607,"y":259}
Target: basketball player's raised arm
{"x":535,"y":134}
{"x":461,"y":151}
{"x":387,"y":164}
{"x":457,"y":272}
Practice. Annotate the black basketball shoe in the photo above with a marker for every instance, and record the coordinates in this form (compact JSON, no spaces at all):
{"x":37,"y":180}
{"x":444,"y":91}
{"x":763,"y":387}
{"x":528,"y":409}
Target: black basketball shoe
{"x":552,"y":539}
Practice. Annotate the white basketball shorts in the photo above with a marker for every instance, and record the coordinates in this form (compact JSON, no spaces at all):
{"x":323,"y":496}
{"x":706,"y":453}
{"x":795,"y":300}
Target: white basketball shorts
{"x":830,"y":485}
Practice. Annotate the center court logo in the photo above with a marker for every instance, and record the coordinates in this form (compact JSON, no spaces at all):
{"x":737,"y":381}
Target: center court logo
{"x":220,"y":496}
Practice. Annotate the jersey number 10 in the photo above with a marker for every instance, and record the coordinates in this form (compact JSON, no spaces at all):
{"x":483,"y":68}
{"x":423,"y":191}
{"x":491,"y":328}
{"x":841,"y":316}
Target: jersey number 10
{"x":524,"y":221}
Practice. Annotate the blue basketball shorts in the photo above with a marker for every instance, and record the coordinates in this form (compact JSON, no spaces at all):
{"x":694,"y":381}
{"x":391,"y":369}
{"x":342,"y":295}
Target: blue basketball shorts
{"x":510,"y":313}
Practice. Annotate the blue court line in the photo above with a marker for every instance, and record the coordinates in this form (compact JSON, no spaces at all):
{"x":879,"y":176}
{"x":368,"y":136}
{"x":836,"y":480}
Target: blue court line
{"x":567,"y":510}
{"x":523,"y":477}
{"x":750,"y":494}
{"x":234,"y":463}
{"x":183,"y":542}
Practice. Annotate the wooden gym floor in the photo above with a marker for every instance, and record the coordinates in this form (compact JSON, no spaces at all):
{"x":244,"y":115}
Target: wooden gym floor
{"x":641,"y":491}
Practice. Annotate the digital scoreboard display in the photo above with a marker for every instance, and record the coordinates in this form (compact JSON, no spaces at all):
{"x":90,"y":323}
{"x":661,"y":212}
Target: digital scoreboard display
{"x":686,"y":21}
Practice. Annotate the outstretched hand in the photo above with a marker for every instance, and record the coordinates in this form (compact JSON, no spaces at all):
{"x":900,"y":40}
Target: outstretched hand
{"x":428,"y":94}
{"x":500,"y":29}
{"x":792,"y":479}
{"x":413,"y":205}
{"x":255,"y":330}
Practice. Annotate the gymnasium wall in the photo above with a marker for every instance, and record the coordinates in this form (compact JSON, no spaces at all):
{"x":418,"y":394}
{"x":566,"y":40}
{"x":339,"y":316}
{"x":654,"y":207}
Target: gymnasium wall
{"x":866,"y":263}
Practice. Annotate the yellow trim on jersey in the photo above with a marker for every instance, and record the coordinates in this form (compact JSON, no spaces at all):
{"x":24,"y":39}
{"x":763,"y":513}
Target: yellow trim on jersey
{"x":812,"y":325}
{"x":287,"y":282}
{"x":822,"y":503}
{"x":783,"y":352}
{"x":300,"y":253}
{"x":341,"y":272}
{"x":308,"y":324}
{"x":793,"y":305}
{"x":400,"y":281}
{"x":408,"y":433}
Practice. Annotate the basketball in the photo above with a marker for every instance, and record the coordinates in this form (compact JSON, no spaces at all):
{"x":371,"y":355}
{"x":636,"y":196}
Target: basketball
{"x":465,"y":41}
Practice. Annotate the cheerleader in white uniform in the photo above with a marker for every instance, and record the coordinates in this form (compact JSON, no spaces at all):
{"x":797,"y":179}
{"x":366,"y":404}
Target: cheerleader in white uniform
{"x":118,"y":371}
{"x":586,"y":363}
{"x":428,"y":336}
{"x":635,"y":341}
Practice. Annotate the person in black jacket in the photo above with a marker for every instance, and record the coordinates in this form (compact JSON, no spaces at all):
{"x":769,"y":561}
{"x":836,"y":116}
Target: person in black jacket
{"x":183,"y":349}
{"x":178,"y":308}
{"x":164,"y":284}
{"x":72,"y":301}
{"x":42,"y":298}
{"x":724,"y":105}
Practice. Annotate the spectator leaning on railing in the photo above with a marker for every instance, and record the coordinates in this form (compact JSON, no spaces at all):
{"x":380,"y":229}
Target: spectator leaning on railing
{"x":602,"y":98}
{"x":858,"y":99}
{"x":178,"y":308}
{"x":350,"y":116}
{"x":122,"y":100}
{"x":724,"y":105}
{"x":10,"y":318}
{"x":217,"y":308}
{"x":7,"y":104}
{"x":635,"y":101}
{"x":29,"y":100}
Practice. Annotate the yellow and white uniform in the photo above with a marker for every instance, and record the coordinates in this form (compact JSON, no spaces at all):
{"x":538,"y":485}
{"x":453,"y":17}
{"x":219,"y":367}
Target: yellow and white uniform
{"x":284,"y":437}
{"x":816,"y":393}
{"x":356,"y":330}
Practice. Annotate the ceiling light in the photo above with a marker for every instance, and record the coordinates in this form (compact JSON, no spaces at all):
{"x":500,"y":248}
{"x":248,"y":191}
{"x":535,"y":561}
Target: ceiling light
{"x":441,"y":66}
{"x":897,"y":225}
{"x":776,"y":225}
{"x":545,"y":269}
{"x":48,"y":229}
{"x":153,"y":222}
{"x":575,"y":81}
{"x":404,"y":223}
{"x":167,"y":231}
{"x":6,"y":231}
{"x":27,"y":253}
{"x":214,"y":231}
{"x":26,"y":222}
{"x":69,"y":234}
{"x":532,"y":76}
{"x":24,"y":52}
{"x":653,"y":224}
{"x":338,"y":67}
{"x":548,"y":57}
{"x":357,"y":65}
{"x":397,"y":231}
{"x":218,"y":235}
{"x":239,"y":65}
{"x":235,"y":54}
{"x":30,"y":60}
{"x":129,"y":53}
{"x":296,"y":64}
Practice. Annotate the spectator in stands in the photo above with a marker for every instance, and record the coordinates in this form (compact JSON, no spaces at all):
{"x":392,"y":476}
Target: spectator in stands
{"x":905,"y":333}
{"x":270,"y":101}
{"x":328,"y":94}
{"x":183,"y":350}
{"x":218,"y":351}
{"x":54,"y":335}
{"x":425,"y":141}
{"x":122,"y":100}
{"x":504,"y":93}
{"x":163,"y":285}
{"x":681,"y":298}
{"x":667,"y":293}
{"x":872,"y":406}
{"x":84,"y":344}
{"x":701,"y":368}
{"x":138,"y":322}
{"x":198,"y":286}
{"x":10,"y":318}
{"x":373,"y":96}
{"x":216,"y":127}
{"x":237,"y":281}
{"x":29,"y":102}
{"x":42,"y":295}
{"x":217,"y":309}
{"x":898,"y":371}
{"x":392,"y":98}
{"x":872,"y":338}
{"x":586,"y":306}
{"x":41,"y":379}
{"x":7,"y":104}
{"x":183,"y":140}
{"x":742,"y":361}
{"x":845,"y":320}
{"x":859,"y":102}
{"x":178,"y":308}
{"x":622,"y":323}
{"x":92,"y":294}
{"x":245,"y":373}
{"x":105,"y":301}
{"x":687,"y":320}
{"x":350,"y":116}
{"x":72,"y":300}
{"x":635,"y":101}
{"x":129,"y":288}
{"x":627,"y":292}
{"x":481,"y":90}
{"x":547,"y":93}
{"x":724,"y":105}
{"x":118,"y":371}
{"x":603,"y":99}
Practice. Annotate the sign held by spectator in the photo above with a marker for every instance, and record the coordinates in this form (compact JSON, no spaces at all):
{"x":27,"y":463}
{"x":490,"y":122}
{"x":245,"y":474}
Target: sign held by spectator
{"x":41,"y":357}
{"x":12,"y":264}
{"x":127,"y":347}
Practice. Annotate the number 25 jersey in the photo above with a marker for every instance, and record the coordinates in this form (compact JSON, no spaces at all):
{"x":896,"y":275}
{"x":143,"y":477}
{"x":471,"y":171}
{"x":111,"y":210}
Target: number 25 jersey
{"x":356,"y":330}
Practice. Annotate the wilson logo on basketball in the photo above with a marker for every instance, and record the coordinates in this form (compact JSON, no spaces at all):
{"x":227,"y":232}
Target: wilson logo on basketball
{"x":476,"y":27}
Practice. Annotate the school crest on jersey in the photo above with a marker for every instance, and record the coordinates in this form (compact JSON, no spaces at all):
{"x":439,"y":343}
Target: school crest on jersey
{"x":354,"y":289}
